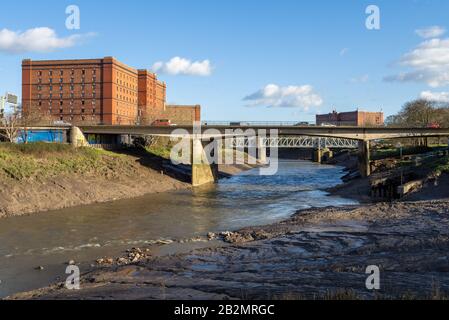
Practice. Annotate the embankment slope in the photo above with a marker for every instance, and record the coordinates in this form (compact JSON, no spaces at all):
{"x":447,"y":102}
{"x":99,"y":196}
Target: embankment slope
{"x":43,"y":177}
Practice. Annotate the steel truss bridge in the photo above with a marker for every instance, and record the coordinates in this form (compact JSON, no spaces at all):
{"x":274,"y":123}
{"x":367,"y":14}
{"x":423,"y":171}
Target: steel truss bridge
{"x":295,"y":142}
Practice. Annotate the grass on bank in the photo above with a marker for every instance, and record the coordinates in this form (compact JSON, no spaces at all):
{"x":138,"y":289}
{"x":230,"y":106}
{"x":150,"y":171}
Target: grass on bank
{"x":162,"y":151}
{"x":23,"y":161}
{"x":440,"y":165}
{"x":380,"y":154}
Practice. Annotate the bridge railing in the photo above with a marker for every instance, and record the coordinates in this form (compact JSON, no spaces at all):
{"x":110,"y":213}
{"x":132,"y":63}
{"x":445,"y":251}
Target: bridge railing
{"x":257,"y":123}
{"x":295,"y":142}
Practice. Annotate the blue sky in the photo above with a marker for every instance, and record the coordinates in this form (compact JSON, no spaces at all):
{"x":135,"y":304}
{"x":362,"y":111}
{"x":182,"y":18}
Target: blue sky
{"x":290,"y":59}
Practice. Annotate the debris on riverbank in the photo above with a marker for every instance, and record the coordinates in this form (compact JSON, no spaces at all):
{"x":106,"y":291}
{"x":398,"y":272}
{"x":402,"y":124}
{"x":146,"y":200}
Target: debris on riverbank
{"x":317,"y":253}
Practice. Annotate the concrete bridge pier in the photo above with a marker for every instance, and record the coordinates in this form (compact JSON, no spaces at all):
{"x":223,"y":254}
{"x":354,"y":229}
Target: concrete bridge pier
{"x":318,"y":155}
{"x":364,"y":158}
{"x":261,"y":151}
{"x":203,"y":172}
{"x":77,"y":138}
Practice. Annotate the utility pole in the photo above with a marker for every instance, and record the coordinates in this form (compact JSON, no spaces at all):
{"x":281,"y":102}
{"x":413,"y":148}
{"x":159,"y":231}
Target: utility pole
{"x":2,"y":106}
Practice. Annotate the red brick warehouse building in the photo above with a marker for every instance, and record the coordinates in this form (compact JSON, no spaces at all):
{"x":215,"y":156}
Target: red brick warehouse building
{"x":97,"y":91}
{"x":354,"y":118}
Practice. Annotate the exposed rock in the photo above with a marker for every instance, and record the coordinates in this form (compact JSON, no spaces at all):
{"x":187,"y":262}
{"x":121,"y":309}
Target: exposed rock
{"x":261,"y":235}
{"x":211,"y":236}
{"x":236,"y":237}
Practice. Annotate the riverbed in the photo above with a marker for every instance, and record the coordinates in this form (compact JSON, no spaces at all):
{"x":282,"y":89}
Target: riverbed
{"x":84,"y":234}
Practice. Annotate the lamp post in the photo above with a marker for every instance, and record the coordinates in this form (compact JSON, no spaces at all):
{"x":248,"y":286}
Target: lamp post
{"x":399,"y":146}
{"x":2,"y":106}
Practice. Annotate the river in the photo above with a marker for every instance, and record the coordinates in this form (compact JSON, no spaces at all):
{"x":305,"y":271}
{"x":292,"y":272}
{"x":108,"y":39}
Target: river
{"x":84,"y":234}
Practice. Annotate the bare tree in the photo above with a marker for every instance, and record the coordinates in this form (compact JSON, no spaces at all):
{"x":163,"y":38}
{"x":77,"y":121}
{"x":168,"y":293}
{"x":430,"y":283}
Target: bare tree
{"x":10,"y":127}
{"x":419,"y":113}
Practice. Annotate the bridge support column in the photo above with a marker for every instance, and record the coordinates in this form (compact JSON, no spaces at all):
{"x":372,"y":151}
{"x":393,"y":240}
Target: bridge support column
{"x":318,"y":155}
{"x":261,"y":151}
{"x":203,"y":172}
{"x":364,"y":158}
{"x":77,"y":138}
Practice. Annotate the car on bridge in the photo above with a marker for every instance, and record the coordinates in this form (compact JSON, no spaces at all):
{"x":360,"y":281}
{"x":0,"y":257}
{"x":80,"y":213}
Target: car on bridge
{"x":163,"y":123}
{"x":434,"y":125}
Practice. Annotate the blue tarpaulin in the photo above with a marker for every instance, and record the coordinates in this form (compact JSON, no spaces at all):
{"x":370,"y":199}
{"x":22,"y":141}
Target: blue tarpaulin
{"x":56,"y":136}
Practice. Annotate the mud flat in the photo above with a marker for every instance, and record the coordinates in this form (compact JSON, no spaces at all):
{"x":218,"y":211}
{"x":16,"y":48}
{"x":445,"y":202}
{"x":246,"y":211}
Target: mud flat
{"x":37,"y":178}
{"x":316,"y":254}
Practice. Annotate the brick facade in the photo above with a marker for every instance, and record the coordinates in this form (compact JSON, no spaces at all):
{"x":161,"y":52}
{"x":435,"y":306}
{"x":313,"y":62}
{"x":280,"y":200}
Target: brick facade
{"x":96,"y":91}
{"x":354,"y":118}
{"x":152,"y":97}
{"x":183,"y":114}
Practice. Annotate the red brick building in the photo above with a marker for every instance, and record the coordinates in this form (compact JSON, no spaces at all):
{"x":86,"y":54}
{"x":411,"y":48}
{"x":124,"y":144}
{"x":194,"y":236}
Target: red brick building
{"x":355,"y":118}
{"x":97,"y":91}
{"x":152,"y":97}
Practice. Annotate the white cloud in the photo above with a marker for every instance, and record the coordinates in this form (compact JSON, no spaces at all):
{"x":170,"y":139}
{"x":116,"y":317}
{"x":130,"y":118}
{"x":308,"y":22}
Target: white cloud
{"x":435,"y":96}
{"x":431,"y":32}
{"x":182,"y":66}
{"x":344,"y":51}
{"x":429,"y":63}
{"x":273,"y":95}
{"x":362,"y":79}
{"x":36,"y":40}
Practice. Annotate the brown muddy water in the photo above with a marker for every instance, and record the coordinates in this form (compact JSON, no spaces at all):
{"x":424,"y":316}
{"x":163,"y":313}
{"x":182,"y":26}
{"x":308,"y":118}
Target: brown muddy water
{"x":84,"y":234}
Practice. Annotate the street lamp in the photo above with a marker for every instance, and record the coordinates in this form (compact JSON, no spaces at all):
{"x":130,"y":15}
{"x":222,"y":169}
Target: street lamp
{"x":399,"y":146}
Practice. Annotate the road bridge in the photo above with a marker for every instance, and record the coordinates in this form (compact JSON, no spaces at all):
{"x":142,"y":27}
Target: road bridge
{"x":285,"y":134}
{"x":288,"y":135}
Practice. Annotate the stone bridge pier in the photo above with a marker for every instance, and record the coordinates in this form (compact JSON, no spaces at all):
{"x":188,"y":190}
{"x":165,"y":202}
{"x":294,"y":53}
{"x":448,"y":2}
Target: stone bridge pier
{"x":203,"y":172}
{"x":364,"y":158}
{"x":261,"y":151}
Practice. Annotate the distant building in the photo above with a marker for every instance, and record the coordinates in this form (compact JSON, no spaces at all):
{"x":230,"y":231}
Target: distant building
{"x":97,"y":91}
{"x":354,"y":118}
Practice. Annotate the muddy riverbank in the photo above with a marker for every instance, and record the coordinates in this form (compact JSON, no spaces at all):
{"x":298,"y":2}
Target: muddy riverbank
{"x":37,"y":181}
{"x":165,"y":223}
{"x":315,"y":254}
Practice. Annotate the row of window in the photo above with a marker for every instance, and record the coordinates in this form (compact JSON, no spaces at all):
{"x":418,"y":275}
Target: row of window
{"x":83,"y":118}
{"x":71,"y":111}
{"x":71,"y":103}
{"x":72,"y":80}
{"x":126,"y":80}
{"x":72,"y":96}
{"x":120,"y":89}
{"x":72,"y":87}
{"x":61,"y":72}
{"x":125,"y":98}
